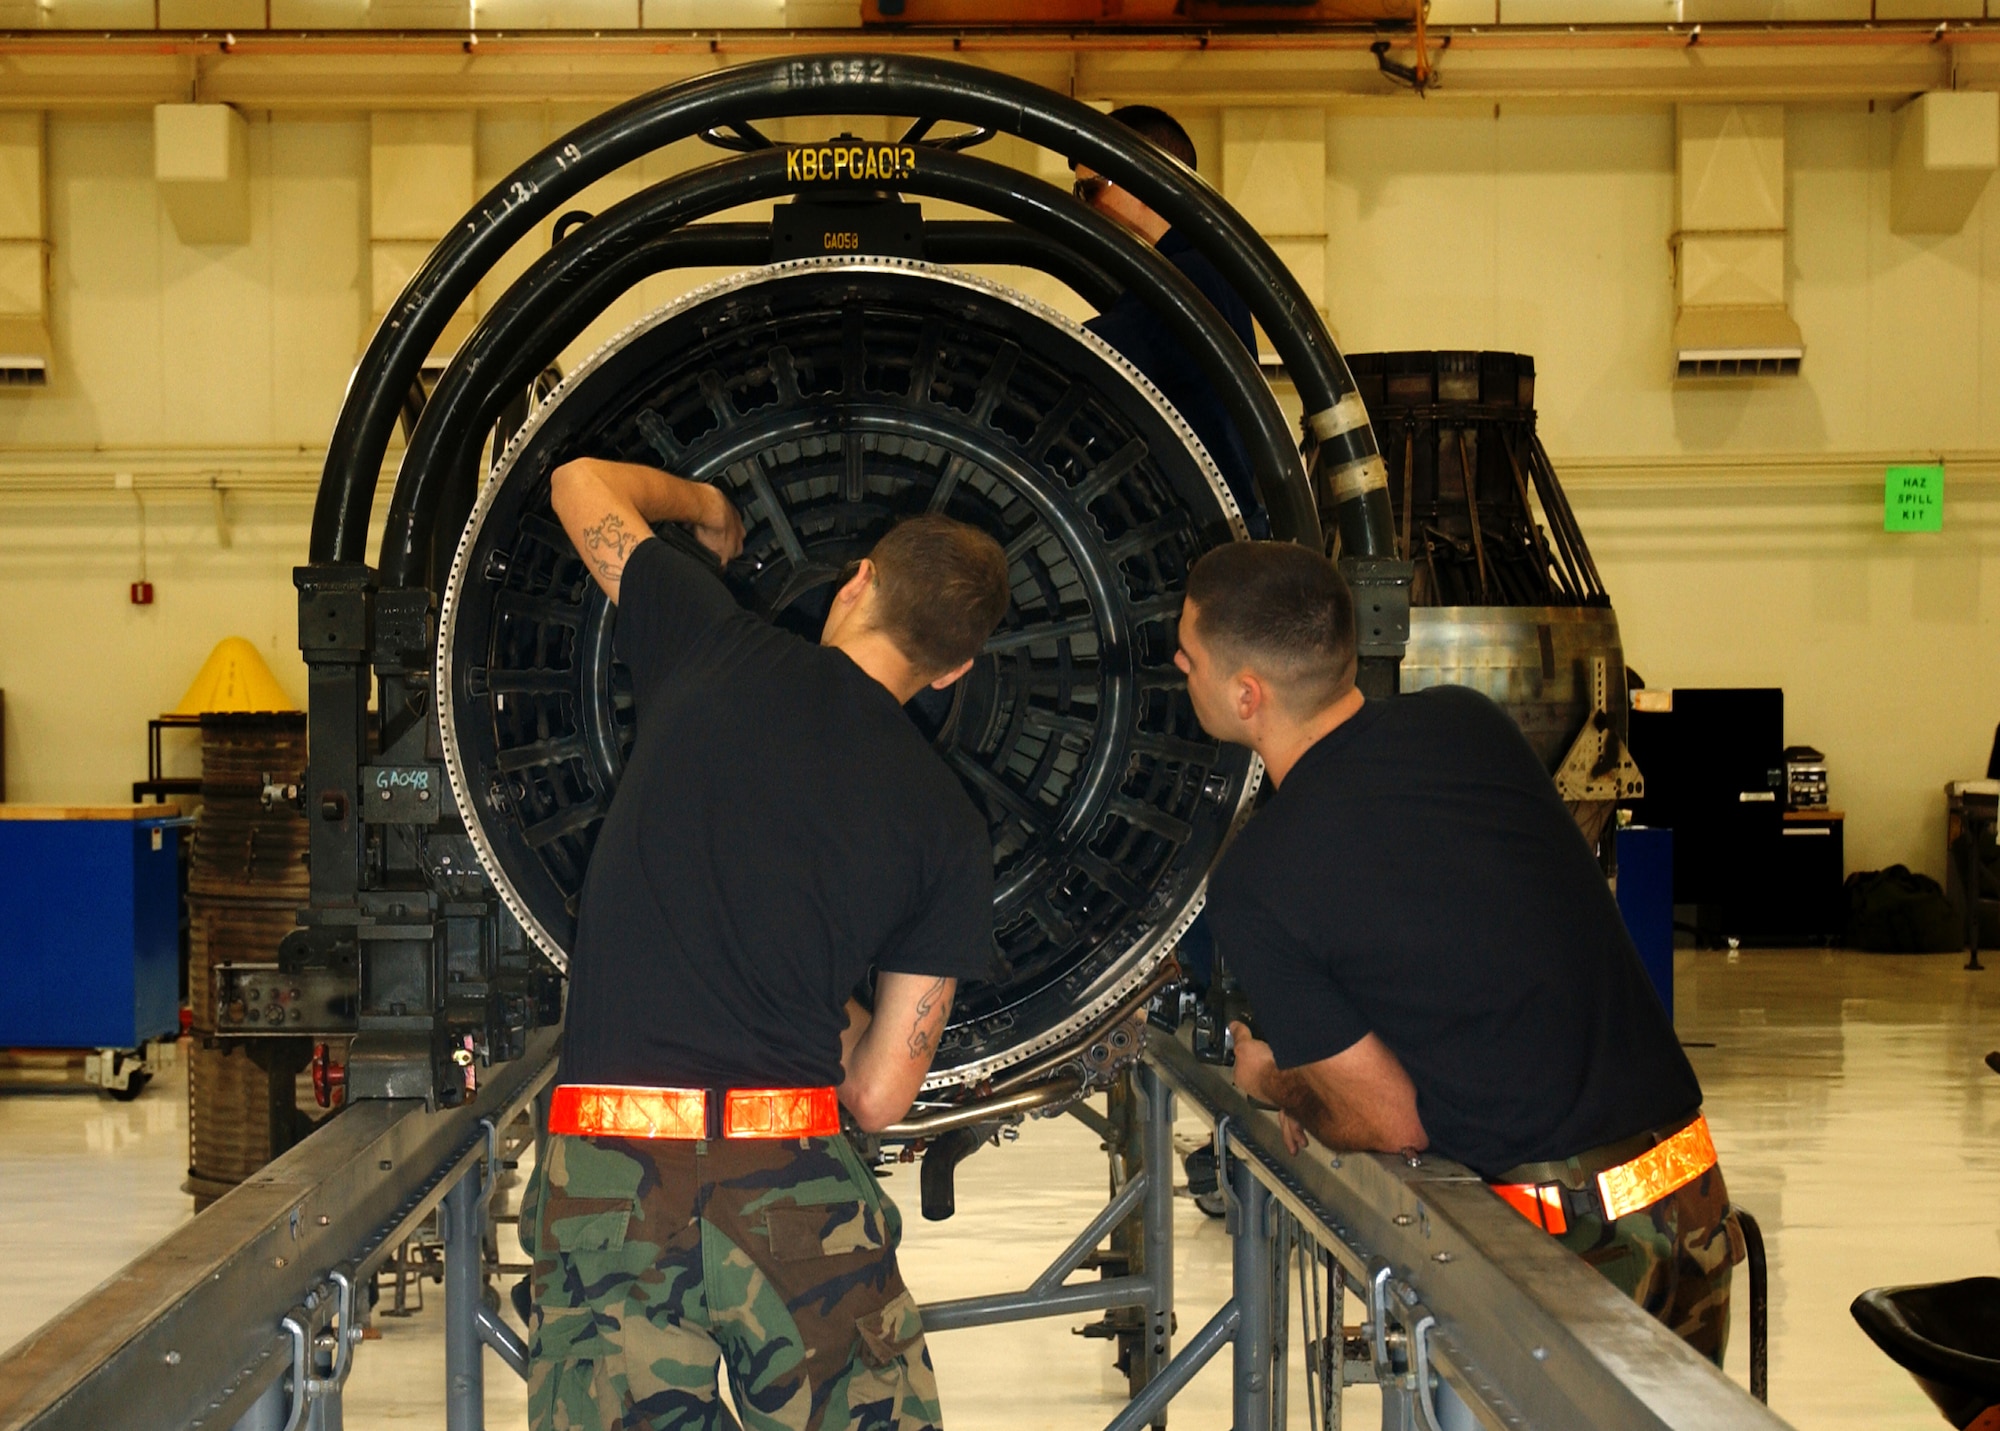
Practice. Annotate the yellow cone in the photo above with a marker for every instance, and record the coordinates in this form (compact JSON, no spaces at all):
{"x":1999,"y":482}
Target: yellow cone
{"x":234,"y":678}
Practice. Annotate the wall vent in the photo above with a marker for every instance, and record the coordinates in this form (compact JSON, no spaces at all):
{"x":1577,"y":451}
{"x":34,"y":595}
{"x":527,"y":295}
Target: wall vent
{"x":1745,"y":342}
{"x":1698,"y":364}
{"x":24,"y":352}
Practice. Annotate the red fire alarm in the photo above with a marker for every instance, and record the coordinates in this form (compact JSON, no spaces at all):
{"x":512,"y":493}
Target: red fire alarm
{"x":142,"y":593}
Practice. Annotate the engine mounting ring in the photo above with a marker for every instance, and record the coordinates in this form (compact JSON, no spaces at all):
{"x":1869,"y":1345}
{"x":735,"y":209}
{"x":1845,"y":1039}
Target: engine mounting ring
{"x":1098,"y":541}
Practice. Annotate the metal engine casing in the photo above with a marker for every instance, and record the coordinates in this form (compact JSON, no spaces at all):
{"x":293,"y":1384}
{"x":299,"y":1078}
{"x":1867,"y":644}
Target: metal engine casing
{"x":1533,"y":660}
{"x":829,"y":397}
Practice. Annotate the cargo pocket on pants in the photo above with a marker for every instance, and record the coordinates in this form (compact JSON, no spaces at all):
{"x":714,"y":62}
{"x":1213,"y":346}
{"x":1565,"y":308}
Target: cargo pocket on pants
{"x":800,"y":1232}
{"x":888,"y":1333}
{"x":892,"y":1386}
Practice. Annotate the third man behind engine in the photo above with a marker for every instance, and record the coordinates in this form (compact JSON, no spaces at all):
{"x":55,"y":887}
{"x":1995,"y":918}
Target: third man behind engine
{"x":1135,"y":330}
{"x":1432,"y":950}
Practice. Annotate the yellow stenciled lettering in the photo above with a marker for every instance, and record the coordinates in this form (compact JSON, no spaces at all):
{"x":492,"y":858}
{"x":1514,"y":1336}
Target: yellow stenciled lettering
{"x":856,"y":156}
{"x":839,"y":162}
{"x":909,"y":165}
{"x":826,"y":162}
{"x":871,"y":168}
{"x":792,"y":166}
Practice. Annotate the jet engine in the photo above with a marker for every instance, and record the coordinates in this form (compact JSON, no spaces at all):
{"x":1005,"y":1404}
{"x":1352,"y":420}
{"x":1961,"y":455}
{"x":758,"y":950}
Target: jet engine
{"x":468,"y":721}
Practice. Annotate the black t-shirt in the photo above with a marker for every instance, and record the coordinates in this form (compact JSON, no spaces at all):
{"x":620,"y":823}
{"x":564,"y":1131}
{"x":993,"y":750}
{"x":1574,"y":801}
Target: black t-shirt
{"x":1419,"y":878}
{"x":1135,"y":330}
{"x":781,"y":827}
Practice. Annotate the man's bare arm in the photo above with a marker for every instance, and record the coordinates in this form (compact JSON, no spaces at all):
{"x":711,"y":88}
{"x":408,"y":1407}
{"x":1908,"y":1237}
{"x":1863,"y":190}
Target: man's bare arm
{"x":608,"y":508}
{"x":858,"y":1019}
{"x":888,"y":1054}
{"x":1360,"y":1099}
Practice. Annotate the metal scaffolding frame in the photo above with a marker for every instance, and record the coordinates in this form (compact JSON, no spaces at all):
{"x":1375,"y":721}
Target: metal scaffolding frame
{"x":247,"y":1317}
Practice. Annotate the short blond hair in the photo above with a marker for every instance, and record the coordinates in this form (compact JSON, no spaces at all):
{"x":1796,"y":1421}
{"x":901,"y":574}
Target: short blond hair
{"x":941,"y":588}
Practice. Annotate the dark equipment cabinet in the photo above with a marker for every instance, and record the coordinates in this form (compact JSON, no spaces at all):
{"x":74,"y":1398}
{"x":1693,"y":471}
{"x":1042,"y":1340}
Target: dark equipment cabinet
{"x":1715,"y":775}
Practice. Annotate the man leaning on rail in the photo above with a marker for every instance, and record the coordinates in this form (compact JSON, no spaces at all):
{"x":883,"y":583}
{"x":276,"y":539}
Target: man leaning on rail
{"x":1433,"y":955}
{"x":781,"y":828}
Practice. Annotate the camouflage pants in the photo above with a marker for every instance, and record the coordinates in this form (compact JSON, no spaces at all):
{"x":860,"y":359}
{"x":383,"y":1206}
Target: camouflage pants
{"x":657,"y":1260}
{"x":1674,"y":1259}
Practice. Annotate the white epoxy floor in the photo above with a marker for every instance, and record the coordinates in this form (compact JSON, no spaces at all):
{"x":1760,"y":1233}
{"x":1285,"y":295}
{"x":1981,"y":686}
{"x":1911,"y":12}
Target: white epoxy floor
{"x":1854,"y":1114}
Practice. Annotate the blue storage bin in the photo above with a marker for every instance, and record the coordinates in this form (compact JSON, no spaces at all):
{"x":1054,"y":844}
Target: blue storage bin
{"x":89,"y":925}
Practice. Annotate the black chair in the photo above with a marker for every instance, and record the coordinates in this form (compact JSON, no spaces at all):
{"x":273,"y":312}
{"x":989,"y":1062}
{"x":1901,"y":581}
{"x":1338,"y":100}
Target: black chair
{"x":1947,"y":1336}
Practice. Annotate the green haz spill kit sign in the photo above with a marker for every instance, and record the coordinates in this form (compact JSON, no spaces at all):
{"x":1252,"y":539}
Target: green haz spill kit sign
{"x":1913,"y":499}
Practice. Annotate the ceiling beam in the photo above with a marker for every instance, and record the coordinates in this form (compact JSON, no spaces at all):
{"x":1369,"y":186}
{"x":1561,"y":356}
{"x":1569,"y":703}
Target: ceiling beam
{"x":374,"y":70}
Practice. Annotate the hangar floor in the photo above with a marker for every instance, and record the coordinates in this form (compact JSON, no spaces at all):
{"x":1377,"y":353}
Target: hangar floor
{"x":1847,"y":1093}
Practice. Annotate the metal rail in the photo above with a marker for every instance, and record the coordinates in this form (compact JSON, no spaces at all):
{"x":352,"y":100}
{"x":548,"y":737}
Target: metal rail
{"x":203,"y":1330}
{"x":246,"y":1318}
{"x":1473,"y":1313}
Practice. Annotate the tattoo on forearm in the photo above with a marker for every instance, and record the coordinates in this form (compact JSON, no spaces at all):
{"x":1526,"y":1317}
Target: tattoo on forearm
{"x":607,"y":545}
{"x":922,"y":1039}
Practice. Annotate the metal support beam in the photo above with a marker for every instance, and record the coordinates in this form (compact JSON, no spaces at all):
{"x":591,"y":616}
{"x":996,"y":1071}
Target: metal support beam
{"x":507,"y":1343}
{"x":1052,"y":1295}
{"x":1086,"y":1241}
{"x":1587,"y":64}
{"x":1158,"y":1151}
{"x":1478,"y":1318}
{"x":1250,"y":1282}
{"x":1150,"y":1406}
{"x":462,"y":1221}
{"x":267,"y":1412}
{"x":1026,"y":1306}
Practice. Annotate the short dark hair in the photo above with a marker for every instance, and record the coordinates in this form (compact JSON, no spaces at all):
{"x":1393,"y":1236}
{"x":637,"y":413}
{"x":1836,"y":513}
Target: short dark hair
{"x":1160,"y":127}
{"x":1285,"y":612}
{"x":941,"y":588}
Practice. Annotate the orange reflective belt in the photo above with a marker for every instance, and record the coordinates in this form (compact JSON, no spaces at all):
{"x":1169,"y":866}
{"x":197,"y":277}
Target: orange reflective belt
{"x":1540,"y":1203}
{"x":781,"y":1113}
{"x":1632,"y":1186}
{"x":1662,"y":1169}
{"x":600,"y":1110}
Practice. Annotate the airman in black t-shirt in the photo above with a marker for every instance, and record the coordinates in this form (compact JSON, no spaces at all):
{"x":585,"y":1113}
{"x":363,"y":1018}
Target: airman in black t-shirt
{"x":781,"y":828}
{"x":1433,"y":955}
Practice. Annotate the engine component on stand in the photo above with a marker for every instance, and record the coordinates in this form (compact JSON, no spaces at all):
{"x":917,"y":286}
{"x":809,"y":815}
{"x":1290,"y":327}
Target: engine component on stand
{"x":1505,"y":597}
{"x":246,"y":880}
{"x":828,"y":398}
{"x":837,"y":384}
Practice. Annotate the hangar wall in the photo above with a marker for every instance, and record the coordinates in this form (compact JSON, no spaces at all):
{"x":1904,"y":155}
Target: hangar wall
{"x":1738,"y":526}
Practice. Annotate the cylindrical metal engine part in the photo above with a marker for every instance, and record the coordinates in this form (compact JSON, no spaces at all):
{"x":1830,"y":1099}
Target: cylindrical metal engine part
{"x":246,"y":879}
{"x":246,"y":847}
{"x":242,"y":1110}
{"x":828,"y":407}
{"x":1536,"y":661}
{"x":1559,"y":671}
{"x":1475,"y":500}
{"x":829,"y":398}
{"x":1506,"y":598}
